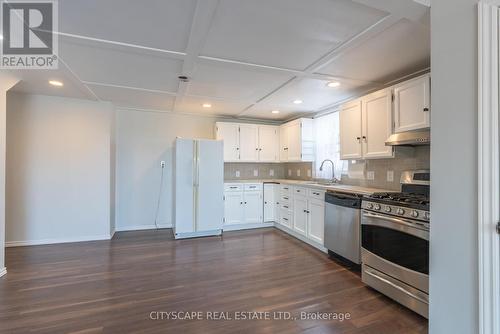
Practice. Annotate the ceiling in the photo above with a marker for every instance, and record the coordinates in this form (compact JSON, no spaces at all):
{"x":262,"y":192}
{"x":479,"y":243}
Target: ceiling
{"x":244,"y":57}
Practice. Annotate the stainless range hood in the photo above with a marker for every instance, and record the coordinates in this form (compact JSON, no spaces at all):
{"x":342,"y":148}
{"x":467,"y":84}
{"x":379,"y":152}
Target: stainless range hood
{"x":410,"y":138}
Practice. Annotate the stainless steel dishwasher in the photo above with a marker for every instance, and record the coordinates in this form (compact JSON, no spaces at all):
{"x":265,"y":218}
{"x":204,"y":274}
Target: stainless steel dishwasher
{"x":343,"y":225}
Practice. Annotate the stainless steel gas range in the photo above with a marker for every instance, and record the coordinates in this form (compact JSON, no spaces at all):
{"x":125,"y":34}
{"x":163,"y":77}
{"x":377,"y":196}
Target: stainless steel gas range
{"x":395,"y":242}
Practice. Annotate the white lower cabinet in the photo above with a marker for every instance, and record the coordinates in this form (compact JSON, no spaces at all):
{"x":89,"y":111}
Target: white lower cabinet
{"x":243,"y":204}
{"x":271,"y":203}
{"x":316,"y":222}
{"x":300,"y":214}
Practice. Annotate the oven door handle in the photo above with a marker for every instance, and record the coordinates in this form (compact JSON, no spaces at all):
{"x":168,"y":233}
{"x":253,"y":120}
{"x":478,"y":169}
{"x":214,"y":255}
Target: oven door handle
{"x":396,"y":224}
{"x":395,"y":286}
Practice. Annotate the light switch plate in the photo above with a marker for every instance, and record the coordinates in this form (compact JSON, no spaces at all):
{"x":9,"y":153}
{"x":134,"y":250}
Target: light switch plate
{"x":255,"y":172}
{"x":370,"y":175}
{"x":271,"y":172}
{"x":289,"y":172}
{"x":298,"y":172}
{"x":390,"y":176}
{"x":237,"y":173}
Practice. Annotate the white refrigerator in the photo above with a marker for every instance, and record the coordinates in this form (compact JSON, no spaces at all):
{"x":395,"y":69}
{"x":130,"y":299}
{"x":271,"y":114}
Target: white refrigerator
{"x":198,"y":188}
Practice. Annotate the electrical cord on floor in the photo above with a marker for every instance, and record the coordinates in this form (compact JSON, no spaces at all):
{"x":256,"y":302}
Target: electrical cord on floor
{"x":159,"y":197}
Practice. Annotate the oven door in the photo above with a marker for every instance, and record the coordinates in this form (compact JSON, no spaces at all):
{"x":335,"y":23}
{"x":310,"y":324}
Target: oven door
{"x":397,"y":247}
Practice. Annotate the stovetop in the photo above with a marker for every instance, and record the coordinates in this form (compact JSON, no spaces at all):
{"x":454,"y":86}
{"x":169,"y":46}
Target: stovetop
{"x":404,"y":199}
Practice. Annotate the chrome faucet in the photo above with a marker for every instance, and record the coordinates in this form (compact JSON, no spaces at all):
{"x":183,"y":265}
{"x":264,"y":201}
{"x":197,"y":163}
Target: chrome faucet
{"x":333,"y":180}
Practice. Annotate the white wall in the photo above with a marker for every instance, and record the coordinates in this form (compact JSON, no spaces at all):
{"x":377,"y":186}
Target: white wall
{"x":453,"y":253}
{"x":143,"y":140}
{"x":58,"y":169}
{"x":6,"y":82}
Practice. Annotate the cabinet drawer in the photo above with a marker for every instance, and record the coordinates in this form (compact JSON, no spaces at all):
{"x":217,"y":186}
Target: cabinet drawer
{"x":299,"y":191}
{"x":285,"y":218}
{"x":286,"y":189}
{"x":286,"y":206}
{"x":253,"y":186}
{"x":318,"y":194}
{"x":233,"y":187}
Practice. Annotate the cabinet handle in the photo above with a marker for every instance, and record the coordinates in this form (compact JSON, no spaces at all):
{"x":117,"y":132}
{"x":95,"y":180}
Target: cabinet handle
{"x":233,"y":187}
{"x":305,"y":211}
{"x":315,"y":193}
{"x":364,"y":139}
{"x":241,"y":203}
{"x":426,"y":109}
{"x":285,"y":219}
{"x":260,"y":149}
{"x":237,"y":149}
{"x":245,"y":202}
{"x":358,"y":139}
{"x":256,"y":149}
{"x":285,"y":206}
{"x":265,"y":202}
{"x":286,"y":149}
{"x":308,"y":211}
{"x":285,"y":197}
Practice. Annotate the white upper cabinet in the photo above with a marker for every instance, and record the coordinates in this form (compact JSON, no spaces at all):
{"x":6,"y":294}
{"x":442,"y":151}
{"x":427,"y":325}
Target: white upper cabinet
{"x":297,"y":140}
{"x":376,"y":124}
{"x":412,"y":104}
{"x":229,"y":134}
{"x":268,"y":143}
{"x":350,"y":131}
{"x":249,"y":142}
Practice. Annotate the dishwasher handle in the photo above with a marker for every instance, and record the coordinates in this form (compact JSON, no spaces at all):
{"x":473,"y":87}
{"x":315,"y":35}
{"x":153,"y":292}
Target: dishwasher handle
{"x":345,"y":200}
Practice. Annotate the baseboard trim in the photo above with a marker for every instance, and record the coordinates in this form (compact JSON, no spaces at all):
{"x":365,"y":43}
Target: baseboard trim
{"x":238,"y":227}
{"x":3,"y":271}
{"x":55,"y":241}
{"x":141,"y":227}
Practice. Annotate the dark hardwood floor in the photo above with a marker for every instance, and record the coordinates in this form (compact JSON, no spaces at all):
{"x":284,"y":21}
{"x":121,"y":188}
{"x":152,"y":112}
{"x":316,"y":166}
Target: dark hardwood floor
{"x":113,"y":286}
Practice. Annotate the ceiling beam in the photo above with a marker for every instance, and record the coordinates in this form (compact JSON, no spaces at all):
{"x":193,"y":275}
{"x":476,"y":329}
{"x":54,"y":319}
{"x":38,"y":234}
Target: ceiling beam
{"x":202,"y":20}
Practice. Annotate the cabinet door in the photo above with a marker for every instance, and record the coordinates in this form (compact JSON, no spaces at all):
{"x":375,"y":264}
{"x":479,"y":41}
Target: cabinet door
{"x":412,"y":104}
{"x":249,"y":144}
{"x":377,"y":124}
{"x":316,"y":223}
{"x":270,"y":203}
{"x":350,"y":131}
{"x":233,"y":207}
{"x":268,"y":143}
{"x":253,"y":207}
{"x":229,"y":134}
{"x":284,"y":143}
{"x":300,"y":214}
{"x":294,"y":142}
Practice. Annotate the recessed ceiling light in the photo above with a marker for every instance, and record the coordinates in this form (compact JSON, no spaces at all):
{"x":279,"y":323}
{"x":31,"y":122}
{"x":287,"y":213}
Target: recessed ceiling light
{"x":297,"y":101}
{"x":206,"y":105}
{"x":333,"y":84}
{"x":275,"y":111}
{"x":56,"y":83}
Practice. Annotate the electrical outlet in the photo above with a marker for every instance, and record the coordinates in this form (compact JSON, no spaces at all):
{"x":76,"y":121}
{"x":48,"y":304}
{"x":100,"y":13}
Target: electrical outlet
{"x":390,"y":176}
{"x":271,"y":172}
{"x":370,"y":175}
{"x":308,"y":173}
{"x":162,"y":164}
{"x":298,"y":172}
{"x":237,"y":174}
{"x":255,"y":172}
{"x":289,"y":172}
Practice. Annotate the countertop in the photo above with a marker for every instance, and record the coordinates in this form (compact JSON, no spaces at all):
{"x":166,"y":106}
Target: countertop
{"x":311,"y":184}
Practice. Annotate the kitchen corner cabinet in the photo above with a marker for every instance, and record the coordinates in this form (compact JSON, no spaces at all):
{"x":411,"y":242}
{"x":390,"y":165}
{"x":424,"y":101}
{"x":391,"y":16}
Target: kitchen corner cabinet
{"x":248,"y":142}
{"x":297,"y":141}
{"x":412,"y":104}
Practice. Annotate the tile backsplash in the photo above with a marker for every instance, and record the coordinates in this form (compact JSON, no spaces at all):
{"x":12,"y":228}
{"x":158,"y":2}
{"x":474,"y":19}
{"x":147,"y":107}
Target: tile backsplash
{"x":376,"y":173}
{"x":387,"y":172}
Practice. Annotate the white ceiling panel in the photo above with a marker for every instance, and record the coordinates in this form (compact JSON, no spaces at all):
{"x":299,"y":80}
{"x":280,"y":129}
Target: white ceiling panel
{"x":223,"y":81}
{"x":399,"y":50}
{"x":110,"y":64}
{"x":261,"y":111}
{"x":153,"y":23}
{"x":133,"y":98}
{"x":37,"y":82}
{"x":285,"y":33}
{"x":313,"y":93}
{"x":191,"y":104}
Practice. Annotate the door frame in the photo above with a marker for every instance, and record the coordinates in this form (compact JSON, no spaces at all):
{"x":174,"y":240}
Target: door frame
{"x":488,"y":167}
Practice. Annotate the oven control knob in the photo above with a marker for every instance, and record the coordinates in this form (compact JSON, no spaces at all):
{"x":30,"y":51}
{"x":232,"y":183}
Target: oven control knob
{"x":401,"y":211}
{"x":388,"y":209}
{"x":427,"y":215}
{"x":377,"y":207}
{"x":369,"y":206}
{"x":414,"y":213}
